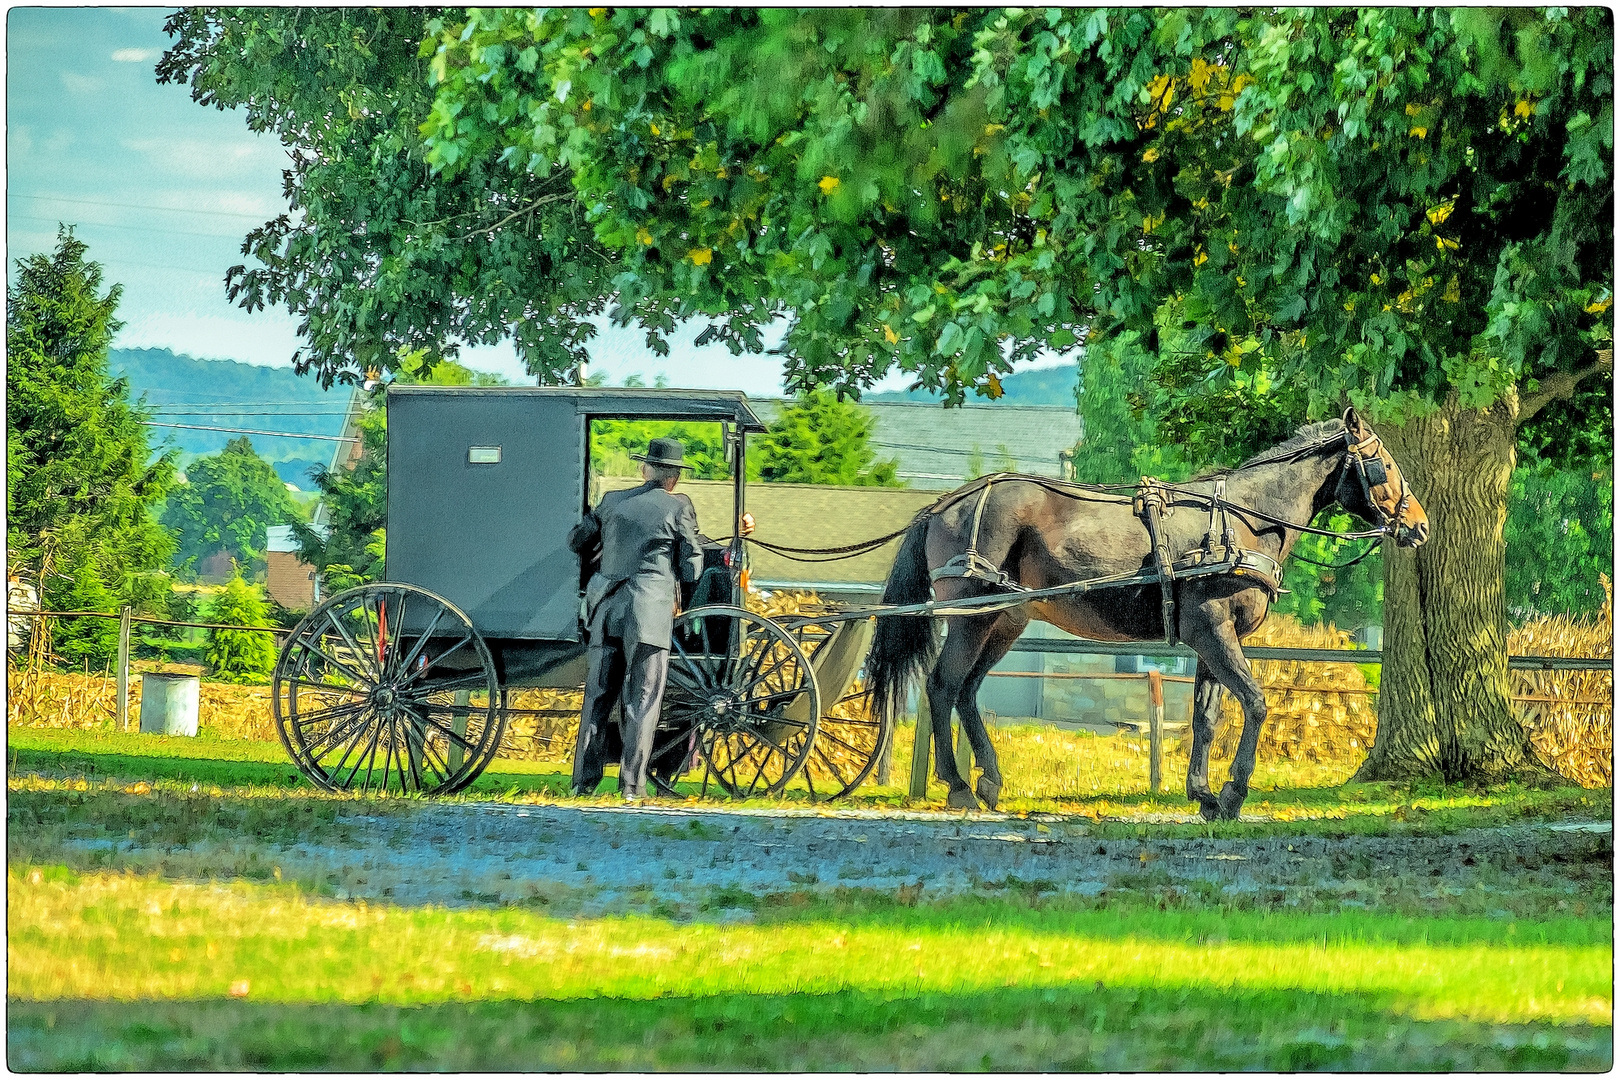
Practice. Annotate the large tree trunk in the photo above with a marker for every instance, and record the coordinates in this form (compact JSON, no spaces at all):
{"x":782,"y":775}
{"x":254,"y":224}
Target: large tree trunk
{"x":1444,"y":707}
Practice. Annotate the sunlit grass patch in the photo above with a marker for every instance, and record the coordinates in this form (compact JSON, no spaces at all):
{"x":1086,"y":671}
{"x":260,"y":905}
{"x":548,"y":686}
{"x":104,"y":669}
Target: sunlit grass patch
{"x":125,"y":937}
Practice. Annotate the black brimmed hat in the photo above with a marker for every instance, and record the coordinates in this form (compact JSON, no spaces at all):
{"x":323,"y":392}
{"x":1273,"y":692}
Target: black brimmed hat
{"x":665,"y":452}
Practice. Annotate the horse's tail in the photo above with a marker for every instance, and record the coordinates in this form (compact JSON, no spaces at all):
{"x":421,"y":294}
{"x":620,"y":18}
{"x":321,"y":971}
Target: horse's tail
{"x":903,"y":646}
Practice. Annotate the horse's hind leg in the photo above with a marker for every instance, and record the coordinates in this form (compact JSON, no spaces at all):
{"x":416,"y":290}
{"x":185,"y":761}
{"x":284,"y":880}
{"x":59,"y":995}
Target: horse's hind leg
{"x":964,"y":641}
{"x":1215,"y":641}
{"x":1206,"y":711}
{"x":997,"y":644}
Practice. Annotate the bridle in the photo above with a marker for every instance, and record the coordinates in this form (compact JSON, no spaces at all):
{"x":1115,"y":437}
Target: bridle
{"x":1369,"y":469}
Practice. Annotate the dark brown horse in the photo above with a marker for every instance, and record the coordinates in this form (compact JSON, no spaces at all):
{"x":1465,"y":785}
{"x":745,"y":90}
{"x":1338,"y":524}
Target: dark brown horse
{"x":1040,"y":533}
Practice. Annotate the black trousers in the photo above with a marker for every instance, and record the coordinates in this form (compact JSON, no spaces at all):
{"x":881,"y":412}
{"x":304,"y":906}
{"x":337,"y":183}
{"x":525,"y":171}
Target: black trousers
{"x":635,"y":682}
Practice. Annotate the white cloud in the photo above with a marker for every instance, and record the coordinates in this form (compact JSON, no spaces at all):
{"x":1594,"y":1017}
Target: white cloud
{"x":81,"y":84}
{"x":134,"y":56}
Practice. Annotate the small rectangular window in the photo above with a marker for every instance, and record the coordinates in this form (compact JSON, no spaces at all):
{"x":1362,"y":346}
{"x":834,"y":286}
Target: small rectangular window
{"x":483,"y":455}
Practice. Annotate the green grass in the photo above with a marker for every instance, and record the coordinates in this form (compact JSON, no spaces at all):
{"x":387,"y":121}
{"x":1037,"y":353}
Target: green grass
{"x":822,"y":983}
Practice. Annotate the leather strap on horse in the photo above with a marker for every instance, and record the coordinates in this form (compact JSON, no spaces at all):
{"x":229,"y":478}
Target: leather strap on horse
{"x":1150,"y":504}
{"x":970,"y":564}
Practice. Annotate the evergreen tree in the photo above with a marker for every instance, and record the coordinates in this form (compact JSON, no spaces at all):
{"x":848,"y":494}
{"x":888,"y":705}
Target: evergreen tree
{"x":81,"y":480}
{"x":239,"y":655}
{"x":820,"y":439}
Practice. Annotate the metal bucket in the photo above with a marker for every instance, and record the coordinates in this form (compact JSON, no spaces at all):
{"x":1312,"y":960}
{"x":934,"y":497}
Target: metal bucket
{"x":169,"y":704}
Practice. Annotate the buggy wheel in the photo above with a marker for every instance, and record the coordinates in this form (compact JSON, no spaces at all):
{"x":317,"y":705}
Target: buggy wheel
{"x":849,"y":742}
{"x":387,"y":687}
{"x":742,"y":692}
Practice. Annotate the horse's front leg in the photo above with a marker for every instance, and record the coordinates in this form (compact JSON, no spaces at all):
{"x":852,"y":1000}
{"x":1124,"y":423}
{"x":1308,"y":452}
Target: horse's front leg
{"x":1206,"y":711}
{"x":1215,"y":641}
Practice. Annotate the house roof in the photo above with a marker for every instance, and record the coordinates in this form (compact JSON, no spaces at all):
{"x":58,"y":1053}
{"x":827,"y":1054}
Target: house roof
{"x":939,"y":449}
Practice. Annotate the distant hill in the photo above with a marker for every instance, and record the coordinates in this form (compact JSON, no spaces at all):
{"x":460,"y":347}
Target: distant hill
{"x":230,"y":394}
{"x":1045,"y":386}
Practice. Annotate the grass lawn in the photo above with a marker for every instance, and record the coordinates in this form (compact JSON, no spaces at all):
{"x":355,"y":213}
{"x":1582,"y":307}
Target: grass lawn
{"x":115,"y":968}
{"x":140,"y":972}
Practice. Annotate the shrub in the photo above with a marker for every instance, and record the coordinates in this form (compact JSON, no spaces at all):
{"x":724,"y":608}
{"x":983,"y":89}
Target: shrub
{"x":240,"y":655}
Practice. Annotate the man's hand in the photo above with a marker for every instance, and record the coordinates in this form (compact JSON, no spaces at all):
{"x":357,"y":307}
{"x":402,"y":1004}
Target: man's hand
{"x":747,"y":524}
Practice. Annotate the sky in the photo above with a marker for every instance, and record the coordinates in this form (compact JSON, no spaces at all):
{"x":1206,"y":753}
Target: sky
{"x":163,"y":191}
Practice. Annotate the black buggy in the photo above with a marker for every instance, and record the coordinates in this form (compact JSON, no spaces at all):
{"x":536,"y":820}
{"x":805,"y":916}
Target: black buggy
{"x":408,"y":684}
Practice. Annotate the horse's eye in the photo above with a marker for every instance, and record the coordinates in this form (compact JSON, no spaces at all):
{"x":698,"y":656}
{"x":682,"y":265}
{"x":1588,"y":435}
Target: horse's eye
{"x":1375,"y":472}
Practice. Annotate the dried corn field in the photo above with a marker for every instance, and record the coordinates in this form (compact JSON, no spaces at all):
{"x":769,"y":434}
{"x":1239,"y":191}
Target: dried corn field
{"x":1569,"y":714}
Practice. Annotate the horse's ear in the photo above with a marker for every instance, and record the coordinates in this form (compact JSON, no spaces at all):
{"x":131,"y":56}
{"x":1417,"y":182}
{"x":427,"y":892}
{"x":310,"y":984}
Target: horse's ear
{"x":1353,"y":423}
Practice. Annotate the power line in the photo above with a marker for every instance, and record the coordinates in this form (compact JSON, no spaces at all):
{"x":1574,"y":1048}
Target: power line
{"x":136,"y":206}
{"x":250,"y":431}
{"x":132,"y":228}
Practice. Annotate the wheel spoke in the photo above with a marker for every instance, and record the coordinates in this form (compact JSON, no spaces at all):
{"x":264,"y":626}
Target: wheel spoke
{"x":370,"y":758}
{"x":391,"y":666}
{"x":411,"y":677}
{"x":360,"y":733}
{"x":328,"y":714}
{"x":334,"y":733}
{"x":698,"y":669}
{"x":358,"y":677}
{"x":421,"y":642}
{"x":447,"y":731}
{"x":327,"y":688}
{"x":349,"y":640}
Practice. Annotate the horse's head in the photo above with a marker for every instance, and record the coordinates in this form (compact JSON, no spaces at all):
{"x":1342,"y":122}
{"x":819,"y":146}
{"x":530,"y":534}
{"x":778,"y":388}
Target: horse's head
{"x":1371,"y":486}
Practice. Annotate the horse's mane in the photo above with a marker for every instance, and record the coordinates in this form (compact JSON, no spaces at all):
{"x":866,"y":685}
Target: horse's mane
{"x":1308,"y":435}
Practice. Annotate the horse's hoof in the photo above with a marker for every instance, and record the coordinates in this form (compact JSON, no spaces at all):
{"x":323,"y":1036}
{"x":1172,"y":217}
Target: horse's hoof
{"x":1209,"y":809}
{"x":961,"y":800}
{"x":988,"y":790}
{"x":1231,"y":801}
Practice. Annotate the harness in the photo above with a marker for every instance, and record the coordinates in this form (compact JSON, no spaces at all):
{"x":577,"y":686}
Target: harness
{"x":1153,"y":500}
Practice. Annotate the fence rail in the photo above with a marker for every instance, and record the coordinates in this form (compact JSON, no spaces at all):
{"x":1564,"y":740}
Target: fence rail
{"x":1274,"y":652}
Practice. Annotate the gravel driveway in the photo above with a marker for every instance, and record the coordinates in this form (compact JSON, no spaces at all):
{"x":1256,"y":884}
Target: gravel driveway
{"x":594,"y":860}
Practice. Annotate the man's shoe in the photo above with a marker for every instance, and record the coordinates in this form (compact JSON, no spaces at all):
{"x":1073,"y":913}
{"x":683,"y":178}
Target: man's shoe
{"x":631,"y":798}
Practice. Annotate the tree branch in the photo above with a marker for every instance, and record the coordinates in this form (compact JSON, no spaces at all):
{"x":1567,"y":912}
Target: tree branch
{"x":1561,"y":385}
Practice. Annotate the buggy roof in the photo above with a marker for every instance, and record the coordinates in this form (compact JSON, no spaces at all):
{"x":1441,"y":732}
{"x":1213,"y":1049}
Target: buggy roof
{"x":637,"y":403}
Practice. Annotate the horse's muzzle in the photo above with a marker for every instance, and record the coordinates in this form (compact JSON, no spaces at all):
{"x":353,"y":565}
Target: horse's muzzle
{"x":1412,"y":535}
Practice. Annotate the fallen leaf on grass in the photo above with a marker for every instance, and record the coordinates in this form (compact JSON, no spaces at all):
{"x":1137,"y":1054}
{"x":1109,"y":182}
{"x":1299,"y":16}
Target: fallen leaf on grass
{"x":239,"y":988}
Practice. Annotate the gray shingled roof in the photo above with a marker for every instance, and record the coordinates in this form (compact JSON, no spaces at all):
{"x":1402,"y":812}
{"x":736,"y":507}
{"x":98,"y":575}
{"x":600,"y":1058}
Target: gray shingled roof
{"x":936,"y":446}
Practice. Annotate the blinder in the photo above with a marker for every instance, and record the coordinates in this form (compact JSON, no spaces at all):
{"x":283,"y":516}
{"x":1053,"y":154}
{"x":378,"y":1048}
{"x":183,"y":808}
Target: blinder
{"x":1372,"y":473}
{"x":1373,"y":469}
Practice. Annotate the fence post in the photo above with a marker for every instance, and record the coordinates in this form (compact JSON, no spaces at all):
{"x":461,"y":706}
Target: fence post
{"x":1155,"y":726}
{"x":123,"y":669}
{"x":920,"y":747}
{"x":885,"y":762}
{"x":459,"y":702}
{"x":964,"y":753}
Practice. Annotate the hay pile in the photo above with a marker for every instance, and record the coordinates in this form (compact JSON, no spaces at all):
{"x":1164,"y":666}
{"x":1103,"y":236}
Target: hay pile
{"x":1569,"y":714}
{"x":1315,"y":712}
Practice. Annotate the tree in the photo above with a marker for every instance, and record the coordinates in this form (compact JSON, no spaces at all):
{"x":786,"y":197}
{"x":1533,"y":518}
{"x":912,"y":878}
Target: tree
{"x":239,"y":655}
{"x":376,"y":255}
{"x":81,"y":480}
{"x":1407,"y":210}
{"x":820,"y":439}
{"x":1560,"y":539}
{"x":227,"y":503}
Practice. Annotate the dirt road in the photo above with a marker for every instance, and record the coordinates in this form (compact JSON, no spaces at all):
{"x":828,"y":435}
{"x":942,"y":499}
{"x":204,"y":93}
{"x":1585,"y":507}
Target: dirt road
{"x":716,"y":864}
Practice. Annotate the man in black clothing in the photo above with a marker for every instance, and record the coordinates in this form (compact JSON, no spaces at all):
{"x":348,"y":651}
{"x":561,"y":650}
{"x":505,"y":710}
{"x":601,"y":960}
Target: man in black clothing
{"x":650,"y":545}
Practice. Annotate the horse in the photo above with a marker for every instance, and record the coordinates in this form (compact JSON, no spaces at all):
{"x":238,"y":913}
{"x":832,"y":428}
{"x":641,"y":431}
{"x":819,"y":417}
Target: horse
{"x":1029,"y":532}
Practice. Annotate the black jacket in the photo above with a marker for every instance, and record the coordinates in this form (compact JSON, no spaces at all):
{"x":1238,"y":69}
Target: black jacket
{"x":650,"y":544}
